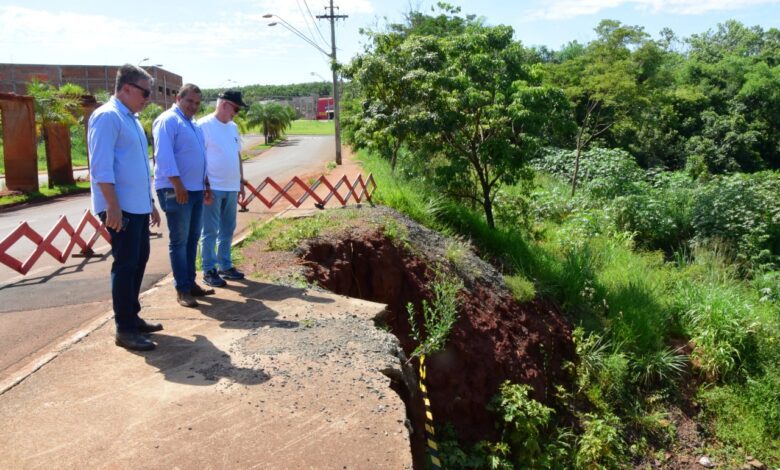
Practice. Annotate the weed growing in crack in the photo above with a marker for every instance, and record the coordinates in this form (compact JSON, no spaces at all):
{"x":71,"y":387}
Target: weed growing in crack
{"x":438,"y":316}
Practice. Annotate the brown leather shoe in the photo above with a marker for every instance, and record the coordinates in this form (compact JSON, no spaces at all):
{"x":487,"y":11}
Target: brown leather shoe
{"x":186,"y":299}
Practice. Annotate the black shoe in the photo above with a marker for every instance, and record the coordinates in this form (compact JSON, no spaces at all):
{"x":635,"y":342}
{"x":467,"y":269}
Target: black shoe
{"x":198,"y":291}
{"x":232,"y":274}
{"x":134,"y":341}
{"x":211,"y":278}
{"x":186,"y":299}
{"x":145,"y":327}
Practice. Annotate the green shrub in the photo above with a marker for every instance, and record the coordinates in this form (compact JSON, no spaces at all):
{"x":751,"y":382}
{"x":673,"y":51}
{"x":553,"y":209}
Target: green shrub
{"x":600,"y":445}
{"x":512,"y":207}
{"x":605,"y":173}
{"x":523,"y":422}
{"x":659,"y":214}
{"x":744,"y":211}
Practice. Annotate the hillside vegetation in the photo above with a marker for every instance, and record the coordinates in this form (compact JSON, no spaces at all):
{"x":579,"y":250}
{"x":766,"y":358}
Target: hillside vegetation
{"x":631,"y":181}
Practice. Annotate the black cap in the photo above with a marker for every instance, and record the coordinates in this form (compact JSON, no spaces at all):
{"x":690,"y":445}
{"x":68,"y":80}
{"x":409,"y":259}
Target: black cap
{"x":234,"y":97}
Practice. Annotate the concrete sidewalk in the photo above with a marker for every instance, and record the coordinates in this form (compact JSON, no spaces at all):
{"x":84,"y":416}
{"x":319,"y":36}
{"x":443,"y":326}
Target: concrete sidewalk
{"x":259,"y":376}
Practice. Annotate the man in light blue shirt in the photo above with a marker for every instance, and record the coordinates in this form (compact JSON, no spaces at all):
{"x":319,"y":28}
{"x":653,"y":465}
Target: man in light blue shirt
{"x":179,"y":178}
{"x":122,"y":198}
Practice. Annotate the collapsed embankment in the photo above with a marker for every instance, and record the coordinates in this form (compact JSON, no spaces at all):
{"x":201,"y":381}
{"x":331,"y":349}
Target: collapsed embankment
{"x":494,"y":339}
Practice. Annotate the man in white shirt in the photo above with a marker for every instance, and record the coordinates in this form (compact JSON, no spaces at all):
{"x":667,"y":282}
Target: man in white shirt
{"x":225,"y":176}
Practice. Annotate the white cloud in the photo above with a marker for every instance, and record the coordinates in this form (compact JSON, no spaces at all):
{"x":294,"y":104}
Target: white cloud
{"x":565,"y":9}
{"x":61,"y":34}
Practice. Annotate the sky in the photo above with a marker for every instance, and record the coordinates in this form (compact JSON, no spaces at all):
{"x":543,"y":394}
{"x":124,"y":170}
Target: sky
{"x":229,"y":43}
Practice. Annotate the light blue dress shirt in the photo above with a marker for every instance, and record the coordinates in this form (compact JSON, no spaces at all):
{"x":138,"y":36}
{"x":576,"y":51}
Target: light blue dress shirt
{"x":118,"y":155}
{"x":179,"y":150}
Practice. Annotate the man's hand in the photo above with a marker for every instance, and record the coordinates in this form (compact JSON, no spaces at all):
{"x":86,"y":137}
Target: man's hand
{"x":181,"y":192}
{"x":208,"y":197}
{"x":114,"y":218}
{"x":155,"y":219}
{"x":242,"y":190}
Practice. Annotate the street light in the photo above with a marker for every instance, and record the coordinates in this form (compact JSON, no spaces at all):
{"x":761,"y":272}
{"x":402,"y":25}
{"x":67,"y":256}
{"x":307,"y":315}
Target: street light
{"x":332,"y":56}
{"x":227,"y":82}
{"x":295,"y":31}
{"x":151,"y":65}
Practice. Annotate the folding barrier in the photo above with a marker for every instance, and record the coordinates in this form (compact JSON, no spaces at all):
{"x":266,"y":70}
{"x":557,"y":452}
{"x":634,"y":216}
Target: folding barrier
{"x":44,"y":244}
{"x":322,"y":191}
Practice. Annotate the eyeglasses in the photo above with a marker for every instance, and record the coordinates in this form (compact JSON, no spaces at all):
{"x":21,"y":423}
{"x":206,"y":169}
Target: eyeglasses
{"x":236,"y":109}
{"x":144,"y":91}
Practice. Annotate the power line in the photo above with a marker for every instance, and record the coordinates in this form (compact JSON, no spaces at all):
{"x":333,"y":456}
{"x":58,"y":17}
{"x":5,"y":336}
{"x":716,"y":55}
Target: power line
{"x":306,"y":20}
{"x":315,"y":23}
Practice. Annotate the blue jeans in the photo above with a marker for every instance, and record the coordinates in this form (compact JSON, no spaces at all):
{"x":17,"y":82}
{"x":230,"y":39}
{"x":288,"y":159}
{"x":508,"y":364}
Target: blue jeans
{"x":130,"y":250}
{"x":219,"y":223}
{"x":184,"y":225}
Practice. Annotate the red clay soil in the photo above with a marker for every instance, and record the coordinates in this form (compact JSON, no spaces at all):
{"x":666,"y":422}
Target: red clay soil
{"x":495,"y":338}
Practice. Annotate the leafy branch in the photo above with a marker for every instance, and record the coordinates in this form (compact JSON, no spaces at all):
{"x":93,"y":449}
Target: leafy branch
{"x":439,"y":316}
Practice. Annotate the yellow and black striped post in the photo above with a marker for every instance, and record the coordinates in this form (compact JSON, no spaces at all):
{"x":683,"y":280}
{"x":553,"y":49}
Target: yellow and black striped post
{"x":430,"y":432}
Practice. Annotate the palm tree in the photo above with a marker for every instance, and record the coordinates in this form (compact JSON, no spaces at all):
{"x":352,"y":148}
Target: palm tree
{"x":55,"y":113}
{"x":273,"y":117}
{"x":147,"y":117}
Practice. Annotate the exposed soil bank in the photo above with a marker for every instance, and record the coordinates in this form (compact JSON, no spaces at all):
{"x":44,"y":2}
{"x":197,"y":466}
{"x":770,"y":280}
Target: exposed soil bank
{"x":495,"y":338}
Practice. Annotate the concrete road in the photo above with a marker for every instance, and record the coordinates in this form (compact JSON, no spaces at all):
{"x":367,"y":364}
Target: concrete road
{"x":53,"y":300}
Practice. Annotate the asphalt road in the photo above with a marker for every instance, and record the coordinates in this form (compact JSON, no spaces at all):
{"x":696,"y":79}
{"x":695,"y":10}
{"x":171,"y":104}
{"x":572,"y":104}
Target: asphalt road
{"x":54,"y":300}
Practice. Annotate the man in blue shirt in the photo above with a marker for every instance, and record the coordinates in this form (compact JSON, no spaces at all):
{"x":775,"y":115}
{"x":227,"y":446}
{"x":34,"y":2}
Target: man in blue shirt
{"x":122,"y":198}
{"x":179,"y":177}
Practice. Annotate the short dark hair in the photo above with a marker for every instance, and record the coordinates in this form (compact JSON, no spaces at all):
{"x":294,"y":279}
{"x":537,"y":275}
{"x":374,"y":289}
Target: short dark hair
{"x":130,"y":73}
{"x":186,"y":89}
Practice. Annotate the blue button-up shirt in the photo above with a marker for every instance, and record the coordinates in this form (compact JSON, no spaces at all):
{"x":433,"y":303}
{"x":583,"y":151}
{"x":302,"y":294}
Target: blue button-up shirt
{"x":179,"y":150}
{"x":118,"y":155}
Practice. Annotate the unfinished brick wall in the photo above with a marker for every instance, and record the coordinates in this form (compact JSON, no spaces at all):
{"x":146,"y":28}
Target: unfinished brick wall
{"x":59,"y":163}
{"x":19,"y":150}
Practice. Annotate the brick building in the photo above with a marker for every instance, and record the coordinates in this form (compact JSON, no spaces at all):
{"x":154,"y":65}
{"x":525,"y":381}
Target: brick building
{"x":93,"y":78}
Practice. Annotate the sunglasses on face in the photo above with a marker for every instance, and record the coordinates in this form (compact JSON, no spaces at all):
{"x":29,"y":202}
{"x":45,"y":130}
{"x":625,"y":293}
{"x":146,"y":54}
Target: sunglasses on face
{"x":235,"y":108}
{"x":144,"y":91}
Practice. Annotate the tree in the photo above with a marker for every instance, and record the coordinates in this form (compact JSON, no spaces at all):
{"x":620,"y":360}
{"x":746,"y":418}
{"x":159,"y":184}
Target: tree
{"x":51,"y":106}
{"x":488,"y":112}
{"x":465,"y":98}
{"x":272,"y":117}
{"x":604,"y":83}
{"x":734,"y":69}
{"x":391,"y":103}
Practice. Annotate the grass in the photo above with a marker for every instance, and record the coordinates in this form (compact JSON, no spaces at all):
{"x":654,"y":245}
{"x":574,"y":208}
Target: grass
{"x":310,"y":127}
{"x":286,"y":234}
{"x":44,"y":193}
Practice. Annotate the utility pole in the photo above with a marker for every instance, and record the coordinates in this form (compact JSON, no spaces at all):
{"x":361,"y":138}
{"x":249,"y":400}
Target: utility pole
{"x":333,"y":65}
